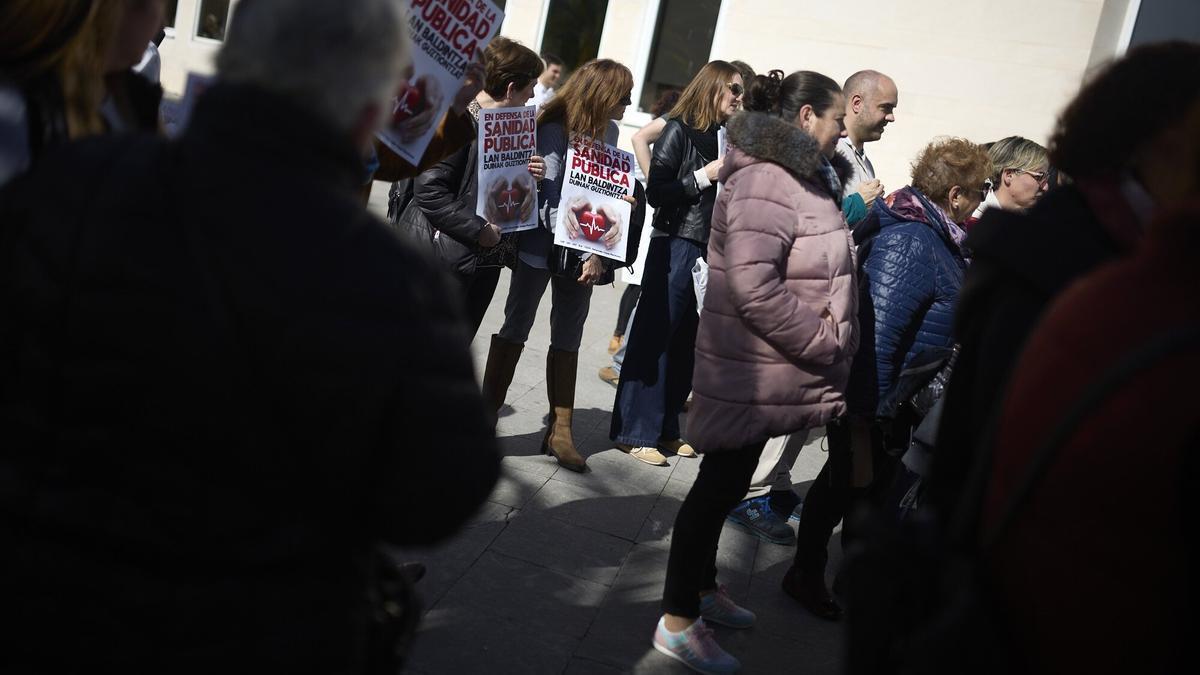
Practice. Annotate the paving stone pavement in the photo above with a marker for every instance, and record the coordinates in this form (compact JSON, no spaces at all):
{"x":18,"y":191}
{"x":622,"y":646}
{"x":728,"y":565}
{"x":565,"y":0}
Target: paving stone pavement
{"x":562,"y":572}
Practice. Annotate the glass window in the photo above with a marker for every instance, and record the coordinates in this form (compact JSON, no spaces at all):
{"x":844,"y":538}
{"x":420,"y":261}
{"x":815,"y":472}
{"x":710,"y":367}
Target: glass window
{"x":682,"y":41}
{"x":213,"y":18}
{"x":169,"y":14}
{"x":573,"y":29}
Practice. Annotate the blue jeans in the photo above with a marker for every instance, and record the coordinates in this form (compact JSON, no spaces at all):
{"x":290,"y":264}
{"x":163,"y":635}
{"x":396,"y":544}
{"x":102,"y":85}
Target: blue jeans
{"x":656,"y":375}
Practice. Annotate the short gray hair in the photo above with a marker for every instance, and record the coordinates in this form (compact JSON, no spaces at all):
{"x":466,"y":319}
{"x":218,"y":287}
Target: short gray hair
{"x":333,"y":57}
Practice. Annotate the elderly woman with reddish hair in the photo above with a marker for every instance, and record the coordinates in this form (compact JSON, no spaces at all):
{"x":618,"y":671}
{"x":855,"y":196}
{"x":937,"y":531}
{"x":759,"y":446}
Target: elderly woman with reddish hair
{"x":913,"y":261}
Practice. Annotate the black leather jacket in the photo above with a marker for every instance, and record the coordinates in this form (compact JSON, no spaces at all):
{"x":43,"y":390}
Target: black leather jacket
{"x":446,"y":194}
{"x":684,"y":210}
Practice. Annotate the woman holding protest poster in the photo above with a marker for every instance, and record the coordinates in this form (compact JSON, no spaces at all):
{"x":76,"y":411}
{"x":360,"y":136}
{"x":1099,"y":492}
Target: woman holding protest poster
{"x":583,"y":111}
{"x":657,"y":373}
{"x":447,"y":194}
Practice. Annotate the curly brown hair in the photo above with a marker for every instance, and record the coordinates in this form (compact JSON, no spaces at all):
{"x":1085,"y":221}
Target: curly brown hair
{"x":947,"y":162}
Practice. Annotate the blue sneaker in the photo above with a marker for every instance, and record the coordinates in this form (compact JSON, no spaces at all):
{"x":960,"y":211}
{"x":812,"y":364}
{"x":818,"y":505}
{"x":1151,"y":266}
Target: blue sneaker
{"x":696,"y":649}
{"x":719,"y":608}
{"x":786,"y":503}
{"x":757,"y":516}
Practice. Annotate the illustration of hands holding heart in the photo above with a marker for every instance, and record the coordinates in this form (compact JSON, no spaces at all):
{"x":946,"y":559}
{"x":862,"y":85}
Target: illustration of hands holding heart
{"x":414,"y":107}
{"x":601,"y":224}
{"x":510,"y":200}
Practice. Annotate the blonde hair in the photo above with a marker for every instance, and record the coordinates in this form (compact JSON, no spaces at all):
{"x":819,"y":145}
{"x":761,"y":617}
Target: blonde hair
{"x":1020,"y":154}
{"x":697,"y":106}
{"x":582,"y":104}
{"x":947,"y":162}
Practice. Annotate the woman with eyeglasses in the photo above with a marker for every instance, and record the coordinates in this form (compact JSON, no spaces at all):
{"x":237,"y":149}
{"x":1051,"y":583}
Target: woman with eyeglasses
{"x":656,"y":375}
{"x":586,"y":106}
{"x":1020,"y":176}
{"x":912,"y":262}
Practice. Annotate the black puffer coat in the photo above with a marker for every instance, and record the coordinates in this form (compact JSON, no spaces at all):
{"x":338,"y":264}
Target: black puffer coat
{"x":684,"y":210}
{"x":221,"y":383}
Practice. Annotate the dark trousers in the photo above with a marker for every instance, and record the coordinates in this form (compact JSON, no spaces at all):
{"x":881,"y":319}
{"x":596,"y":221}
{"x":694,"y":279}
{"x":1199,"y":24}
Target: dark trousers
{"x":692,"y":566}
{"x":478,"y":290}
{"x":629,"y":300}
{"x":832,"y":499}
{"x":656,"y":375}
{"x":826,"y":503}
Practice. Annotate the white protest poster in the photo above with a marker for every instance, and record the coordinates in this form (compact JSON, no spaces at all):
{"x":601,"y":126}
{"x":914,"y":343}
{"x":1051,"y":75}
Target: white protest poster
{"x":447,"y":35}
{"x":592,"y":216}
{"x":507,"y":191}
{"x":722,"y":148}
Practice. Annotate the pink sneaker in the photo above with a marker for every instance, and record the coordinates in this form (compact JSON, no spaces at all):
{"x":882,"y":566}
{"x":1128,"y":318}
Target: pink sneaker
{"x":696,"y":649}
{"x":719,"y":608}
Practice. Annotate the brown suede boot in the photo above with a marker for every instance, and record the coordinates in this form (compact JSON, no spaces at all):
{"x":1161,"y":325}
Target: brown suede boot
{"x":502,"y":361}
{"x":560,"y":389}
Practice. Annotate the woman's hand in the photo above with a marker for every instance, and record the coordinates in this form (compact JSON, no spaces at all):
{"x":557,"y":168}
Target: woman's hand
{"x":713,"y":169}
{"x":489,"y":236}
{"x":593,"y":269}
{"x":870,"y":190}
{"x":537,"y":167}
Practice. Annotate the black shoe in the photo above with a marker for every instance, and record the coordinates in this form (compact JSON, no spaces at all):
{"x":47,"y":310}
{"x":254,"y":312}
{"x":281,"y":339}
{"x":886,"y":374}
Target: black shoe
{"x":809,"y":590}
{"x":784,"y":502}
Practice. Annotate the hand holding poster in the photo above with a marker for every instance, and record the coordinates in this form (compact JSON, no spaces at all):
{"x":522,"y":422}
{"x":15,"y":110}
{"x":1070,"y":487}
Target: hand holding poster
{"x":447,"y":36}
{"x":507,"y":191}
{"x":593,"y":215}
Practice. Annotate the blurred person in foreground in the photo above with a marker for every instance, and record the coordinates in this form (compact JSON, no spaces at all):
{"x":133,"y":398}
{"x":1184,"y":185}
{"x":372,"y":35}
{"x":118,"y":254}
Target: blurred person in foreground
{"x":210,"y":423}
{"x":1097,"y":553}
{"x":1126,"y":162}
{"x":65,"y":74}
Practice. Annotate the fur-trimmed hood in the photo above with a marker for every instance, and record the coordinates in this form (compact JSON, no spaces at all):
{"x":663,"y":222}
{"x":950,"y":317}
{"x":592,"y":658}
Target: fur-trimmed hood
{"x":767,"y":138}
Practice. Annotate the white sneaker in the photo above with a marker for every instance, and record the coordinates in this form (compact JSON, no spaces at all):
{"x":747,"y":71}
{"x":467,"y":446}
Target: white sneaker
{"x":696,"y":649}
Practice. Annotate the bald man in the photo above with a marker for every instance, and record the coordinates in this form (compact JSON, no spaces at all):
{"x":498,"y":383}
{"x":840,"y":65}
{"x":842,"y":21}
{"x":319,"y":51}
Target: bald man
{"x":871,"y":99}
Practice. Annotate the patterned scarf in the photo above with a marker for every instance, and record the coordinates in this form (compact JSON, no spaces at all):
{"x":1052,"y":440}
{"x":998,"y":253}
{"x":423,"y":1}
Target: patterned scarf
{"x":831,"y":179}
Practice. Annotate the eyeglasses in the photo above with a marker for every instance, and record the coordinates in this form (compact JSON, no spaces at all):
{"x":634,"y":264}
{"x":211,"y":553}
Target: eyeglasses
{"x":1040,"y":176}
{"x":735,"y":89}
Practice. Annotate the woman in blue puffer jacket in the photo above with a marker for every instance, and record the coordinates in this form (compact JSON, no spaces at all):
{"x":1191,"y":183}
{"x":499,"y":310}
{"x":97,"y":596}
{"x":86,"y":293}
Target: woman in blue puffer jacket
{"x":912,"y":261}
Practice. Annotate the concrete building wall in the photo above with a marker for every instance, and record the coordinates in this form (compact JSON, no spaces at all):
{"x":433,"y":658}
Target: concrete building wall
{"x":962,"y":67}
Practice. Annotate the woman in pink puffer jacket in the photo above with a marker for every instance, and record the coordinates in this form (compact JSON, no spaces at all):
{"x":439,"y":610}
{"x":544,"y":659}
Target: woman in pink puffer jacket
{"x":776,"y":335}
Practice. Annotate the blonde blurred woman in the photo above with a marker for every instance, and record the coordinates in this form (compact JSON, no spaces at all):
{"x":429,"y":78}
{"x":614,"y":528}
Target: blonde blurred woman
{"x":65,"y":74}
